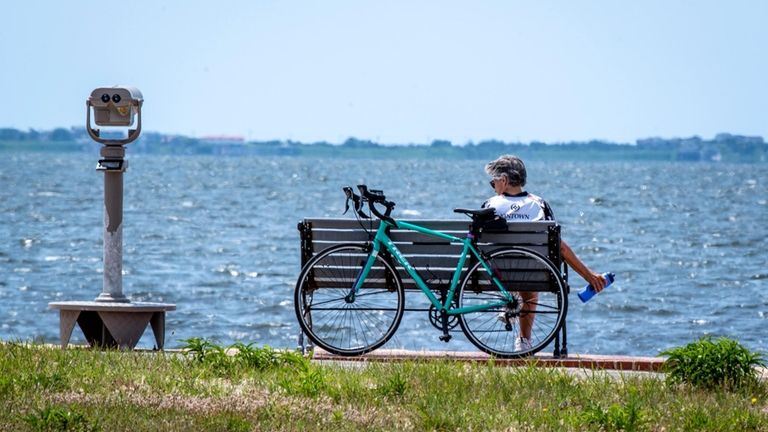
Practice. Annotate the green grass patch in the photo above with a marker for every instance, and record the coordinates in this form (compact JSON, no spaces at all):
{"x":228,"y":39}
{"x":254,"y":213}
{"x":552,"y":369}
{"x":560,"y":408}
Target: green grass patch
{"x":54,"y":418}
{"x":713,"y":363}
{"x":244,"y":387}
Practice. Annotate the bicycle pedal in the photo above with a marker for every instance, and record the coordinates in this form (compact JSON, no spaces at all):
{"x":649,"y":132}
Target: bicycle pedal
{"x":445,"y":338}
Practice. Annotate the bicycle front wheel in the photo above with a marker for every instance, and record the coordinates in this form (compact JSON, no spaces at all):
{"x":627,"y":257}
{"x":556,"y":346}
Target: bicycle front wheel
{"x":338,"y":322}
{"x":534,"y":306}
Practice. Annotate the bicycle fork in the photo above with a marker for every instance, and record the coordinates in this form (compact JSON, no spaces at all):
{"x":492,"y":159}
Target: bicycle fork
{"x":365,"y":268}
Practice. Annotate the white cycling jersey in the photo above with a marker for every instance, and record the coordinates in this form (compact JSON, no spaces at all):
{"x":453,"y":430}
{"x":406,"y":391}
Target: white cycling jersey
{"x":523,"y":207}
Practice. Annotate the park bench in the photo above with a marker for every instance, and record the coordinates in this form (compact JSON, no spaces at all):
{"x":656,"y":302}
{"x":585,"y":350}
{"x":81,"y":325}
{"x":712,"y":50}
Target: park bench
{"x":435,"y":259}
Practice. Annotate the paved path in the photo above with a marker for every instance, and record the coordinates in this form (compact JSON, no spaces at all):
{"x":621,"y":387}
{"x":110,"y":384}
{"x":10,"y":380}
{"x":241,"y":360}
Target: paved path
{"x":580,"y":361}
{"x":573,"y":361}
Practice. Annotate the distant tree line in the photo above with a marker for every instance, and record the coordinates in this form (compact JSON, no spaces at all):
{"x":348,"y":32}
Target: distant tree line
{"x":723,"y":147}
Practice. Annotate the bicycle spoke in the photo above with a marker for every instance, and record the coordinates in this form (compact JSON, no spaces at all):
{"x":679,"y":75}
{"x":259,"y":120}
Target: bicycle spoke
{"x":343,"y":327}
{"x":529,"y":278}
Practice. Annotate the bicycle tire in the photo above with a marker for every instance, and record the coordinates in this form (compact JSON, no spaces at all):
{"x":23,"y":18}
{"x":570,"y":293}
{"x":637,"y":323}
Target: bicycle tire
{"x":495,"y":330}
{"x":332,"y":323}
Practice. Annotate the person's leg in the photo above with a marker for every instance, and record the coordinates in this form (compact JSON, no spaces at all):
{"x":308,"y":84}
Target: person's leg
{"x":526,"y":317}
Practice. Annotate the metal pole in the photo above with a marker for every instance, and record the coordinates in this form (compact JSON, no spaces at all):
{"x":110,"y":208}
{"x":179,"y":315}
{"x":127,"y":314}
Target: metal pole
{"x":113,"y":166}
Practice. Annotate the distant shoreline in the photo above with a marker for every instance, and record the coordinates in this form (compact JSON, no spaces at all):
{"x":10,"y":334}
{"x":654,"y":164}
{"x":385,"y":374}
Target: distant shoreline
{"x":722,"y":148}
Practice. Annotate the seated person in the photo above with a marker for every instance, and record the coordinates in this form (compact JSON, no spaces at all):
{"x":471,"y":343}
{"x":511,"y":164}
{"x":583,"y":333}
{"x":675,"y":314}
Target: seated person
{"x":508,"y":176}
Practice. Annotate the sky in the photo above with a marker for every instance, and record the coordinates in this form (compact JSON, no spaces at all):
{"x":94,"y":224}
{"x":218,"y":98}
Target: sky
{"x":395,"y":71}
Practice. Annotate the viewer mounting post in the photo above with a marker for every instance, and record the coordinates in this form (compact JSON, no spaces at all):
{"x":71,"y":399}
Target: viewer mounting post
{"x":112,"y":320}
{"x":113,"y":107}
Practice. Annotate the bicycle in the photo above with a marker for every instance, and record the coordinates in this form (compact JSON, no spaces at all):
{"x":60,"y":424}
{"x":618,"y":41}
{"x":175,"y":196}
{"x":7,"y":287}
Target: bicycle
{"x":349,"y":299}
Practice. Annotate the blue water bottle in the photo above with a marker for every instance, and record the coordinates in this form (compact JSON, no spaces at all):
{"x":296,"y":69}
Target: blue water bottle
{"x":588,"y":292}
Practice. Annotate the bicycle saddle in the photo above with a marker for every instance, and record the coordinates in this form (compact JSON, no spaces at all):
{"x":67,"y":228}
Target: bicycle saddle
{"x":473,"y":213}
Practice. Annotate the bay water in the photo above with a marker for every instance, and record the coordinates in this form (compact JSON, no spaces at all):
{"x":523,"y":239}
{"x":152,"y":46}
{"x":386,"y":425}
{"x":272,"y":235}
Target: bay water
{"x":216,"y":235}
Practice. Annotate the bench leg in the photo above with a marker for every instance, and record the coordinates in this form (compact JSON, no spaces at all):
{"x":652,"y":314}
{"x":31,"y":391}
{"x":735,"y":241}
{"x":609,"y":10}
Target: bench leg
{"x":158,"y":328}
{"x":67,"y":321}
{"x":94,"y":330}
{"x":564,"y":348}
{"x":561,"y":343}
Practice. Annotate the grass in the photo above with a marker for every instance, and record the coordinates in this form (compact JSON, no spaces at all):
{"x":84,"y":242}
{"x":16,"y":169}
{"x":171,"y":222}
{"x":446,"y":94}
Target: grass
{"x":713,"y":363}
{"x":212,"y":388}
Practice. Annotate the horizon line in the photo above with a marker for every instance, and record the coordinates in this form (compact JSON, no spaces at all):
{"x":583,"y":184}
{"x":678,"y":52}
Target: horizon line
{"x":242,"y":138}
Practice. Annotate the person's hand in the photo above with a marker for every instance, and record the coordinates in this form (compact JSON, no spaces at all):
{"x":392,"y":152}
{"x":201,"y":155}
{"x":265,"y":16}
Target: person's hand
{"x":597,"y":281}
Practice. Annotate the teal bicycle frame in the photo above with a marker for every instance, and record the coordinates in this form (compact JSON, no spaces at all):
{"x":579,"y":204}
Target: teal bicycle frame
{"x":382,"y":238}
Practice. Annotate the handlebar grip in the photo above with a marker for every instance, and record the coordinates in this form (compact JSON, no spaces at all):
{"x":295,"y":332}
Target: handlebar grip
{"x":377,"y":196}
{"x":372,"y":194}
{"x":363,"y":190}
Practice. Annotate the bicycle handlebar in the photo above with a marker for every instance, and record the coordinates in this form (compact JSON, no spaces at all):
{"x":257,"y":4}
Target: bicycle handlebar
{"x":372,"y":196}
{"x":356,"y":201}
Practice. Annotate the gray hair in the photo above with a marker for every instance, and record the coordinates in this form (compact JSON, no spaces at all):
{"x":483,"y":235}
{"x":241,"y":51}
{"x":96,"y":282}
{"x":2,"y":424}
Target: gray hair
{"x":510,"y":166}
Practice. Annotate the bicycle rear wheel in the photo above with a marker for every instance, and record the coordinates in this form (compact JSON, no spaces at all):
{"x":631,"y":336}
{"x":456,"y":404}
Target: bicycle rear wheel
{"x":536,"y":310}
{"x":334,"y":321}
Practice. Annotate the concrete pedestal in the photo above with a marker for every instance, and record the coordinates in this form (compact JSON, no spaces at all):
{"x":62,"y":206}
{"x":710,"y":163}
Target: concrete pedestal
{"x":112,"y":325}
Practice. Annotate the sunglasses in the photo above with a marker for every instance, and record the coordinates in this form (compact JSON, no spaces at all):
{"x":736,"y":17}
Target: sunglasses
{"x":493,"y":182}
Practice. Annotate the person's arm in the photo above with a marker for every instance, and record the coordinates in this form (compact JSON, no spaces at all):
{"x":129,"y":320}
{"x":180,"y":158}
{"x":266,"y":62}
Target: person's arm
{"x":597,"y":280}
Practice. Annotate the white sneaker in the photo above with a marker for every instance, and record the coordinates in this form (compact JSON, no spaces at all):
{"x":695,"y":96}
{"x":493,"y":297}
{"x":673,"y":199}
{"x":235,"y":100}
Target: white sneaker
{"x":523,"y":344}
{"x":502,"y":316}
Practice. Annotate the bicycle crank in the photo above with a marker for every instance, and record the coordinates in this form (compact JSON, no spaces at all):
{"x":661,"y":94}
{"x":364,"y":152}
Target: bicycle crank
{"x":436,"y":319}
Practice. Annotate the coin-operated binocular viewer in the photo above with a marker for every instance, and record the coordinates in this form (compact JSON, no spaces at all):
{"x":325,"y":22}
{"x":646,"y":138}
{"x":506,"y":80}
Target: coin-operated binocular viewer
{"x":113,"y":107}
{"x":112,"y":320}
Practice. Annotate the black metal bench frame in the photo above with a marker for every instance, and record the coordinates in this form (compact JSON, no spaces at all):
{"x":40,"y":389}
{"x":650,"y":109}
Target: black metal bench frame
{"x":436,"y":257}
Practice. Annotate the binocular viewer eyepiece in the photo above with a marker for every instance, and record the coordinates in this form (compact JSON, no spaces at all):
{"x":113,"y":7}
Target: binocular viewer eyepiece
{"x":115,"y":98}
{"x":117,"y":106}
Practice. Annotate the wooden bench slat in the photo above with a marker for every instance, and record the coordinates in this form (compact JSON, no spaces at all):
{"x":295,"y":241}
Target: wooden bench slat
{"x":426,"y":243}
{"x":410,"y":251}
{"x":350,"y":236}
{"x":519,"y":237}
{"x":340,"y":236}
{"x":432,"y":257}
{"x":413,"y":250}
{"x":406,"y":249}
{"x":448,"y":257}
{"x":435,"y":224}
{"x":519,"y":274}
{"x":439,"y":225}
{"x":410,"y":284}
{"x":325,"y":223}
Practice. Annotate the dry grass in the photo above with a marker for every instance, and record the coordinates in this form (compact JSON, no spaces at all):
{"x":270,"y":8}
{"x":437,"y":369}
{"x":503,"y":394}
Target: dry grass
{"x":51,"y":389}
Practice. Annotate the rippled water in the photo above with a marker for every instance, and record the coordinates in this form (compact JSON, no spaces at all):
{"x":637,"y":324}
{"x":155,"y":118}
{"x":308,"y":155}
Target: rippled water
{"x":217,"y":236}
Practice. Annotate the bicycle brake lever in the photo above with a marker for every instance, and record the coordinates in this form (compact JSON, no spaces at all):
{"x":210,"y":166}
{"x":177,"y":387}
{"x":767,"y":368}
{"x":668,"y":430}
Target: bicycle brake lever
{"x":359,"y":206}
{"x":356,"y":200}
{"x":348,"y":192}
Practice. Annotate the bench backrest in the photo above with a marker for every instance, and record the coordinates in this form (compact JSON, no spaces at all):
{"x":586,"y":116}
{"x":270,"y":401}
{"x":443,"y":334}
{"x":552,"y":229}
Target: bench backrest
{"x":433,"y":258}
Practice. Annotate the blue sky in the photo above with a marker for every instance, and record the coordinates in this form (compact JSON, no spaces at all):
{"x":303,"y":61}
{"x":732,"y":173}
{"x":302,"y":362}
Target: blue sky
{"x":395,"y":71}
